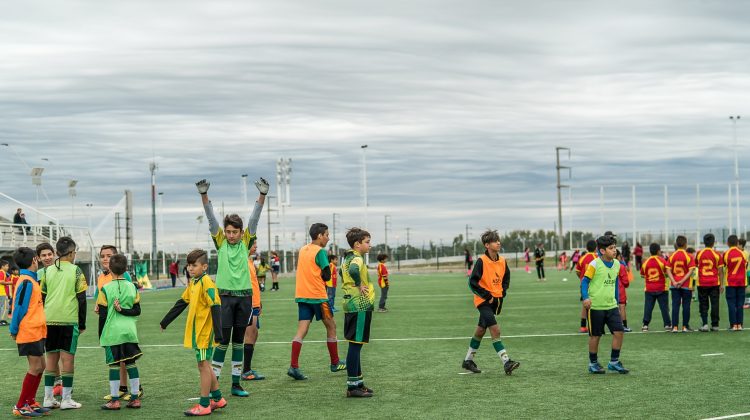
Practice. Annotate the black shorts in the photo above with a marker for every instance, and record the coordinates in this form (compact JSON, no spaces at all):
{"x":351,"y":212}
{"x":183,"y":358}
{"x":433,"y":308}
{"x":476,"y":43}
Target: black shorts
{"x":276,"y":269}
{"x":357,"y":326}
{"x":309,"y":311}
{"x":35,"y":348}
{"x":62,"y":338}
{"x":597,"y":319}
{"x":487,"y":312}
{"x":235,"y":311}
{"x":126,"y":352}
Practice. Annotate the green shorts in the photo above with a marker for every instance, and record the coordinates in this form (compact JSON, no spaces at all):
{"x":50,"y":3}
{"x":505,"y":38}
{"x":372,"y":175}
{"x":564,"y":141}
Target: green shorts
{"x":202,"y":355}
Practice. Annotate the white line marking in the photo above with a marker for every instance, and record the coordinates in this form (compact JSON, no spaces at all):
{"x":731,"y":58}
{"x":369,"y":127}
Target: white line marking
{"x":729,"y":417}
{"x":487,"y":337}
{"x":712,"y":354}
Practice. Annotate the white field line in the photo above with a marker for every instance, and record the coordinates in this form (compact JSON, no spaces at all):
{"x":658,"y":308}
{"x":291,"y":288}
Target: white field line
{"x":382,"y":339}
{"x":712,"y":354}
{"x":729,"y":417}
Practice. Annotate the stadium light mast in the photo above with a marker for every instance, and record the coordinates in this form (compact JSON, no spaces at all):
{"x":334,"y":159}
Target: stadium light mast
{"x":735,"y":119}
{"x":283,"y":199}
{"x":152,"y":169}
{"x":559,"y":194}
{"x":72,"y":192}
{"x":243,"y":178}
{"x":386,"y":228}
{"x":364,"y":191}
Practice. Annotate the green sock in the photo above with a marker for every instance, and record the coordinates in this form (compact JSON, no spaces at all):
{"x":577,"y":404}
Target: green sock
{"x":205,"y":401}
{"x":216,"y":395}
{"x":498,"y":345}
{"x":475,"y":342}
{"x":49,"y":378}
{"x":67,"y":379}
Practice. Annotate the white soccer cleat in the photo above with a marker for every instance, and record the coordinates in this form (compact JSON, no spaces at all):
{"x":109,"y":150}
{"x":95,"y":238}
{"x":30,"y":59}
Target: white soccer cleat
{"x":69,"y":404}
{"x":53,"y":403}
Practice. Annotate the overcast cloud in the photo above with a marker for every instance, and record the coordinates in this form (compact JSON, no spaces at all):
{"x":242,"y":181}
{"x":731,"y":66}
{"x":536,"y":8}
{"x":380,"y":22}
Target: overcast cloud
{"x":461,"y":105}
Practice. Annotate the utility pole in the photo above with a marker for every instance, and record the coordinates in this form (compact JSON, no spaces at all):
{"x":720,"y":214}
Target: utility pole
{"x":336,"y":220}
{"x":387,"y":226}
{"x":559,"y":194}
{"x":152,"y":168}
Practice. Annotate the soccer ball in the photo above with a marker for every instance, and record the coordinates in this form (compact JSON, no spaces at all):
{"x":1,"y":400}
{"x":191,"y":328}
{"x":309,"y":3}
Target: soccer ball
{"x":565,"y":279}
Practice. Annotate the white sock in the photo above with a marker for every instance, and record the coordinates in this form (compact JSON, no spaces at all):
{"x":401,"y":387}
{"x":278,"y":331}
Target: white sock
{"x":470,"y":354}
{"x":114,"y":388}
{"x":217,"y":366}
{"x":49,"y":392}
{"x":135,"y":386}
{"x":503,"y":355}
{"x":68,"y":390}
{"x":236,"y":368}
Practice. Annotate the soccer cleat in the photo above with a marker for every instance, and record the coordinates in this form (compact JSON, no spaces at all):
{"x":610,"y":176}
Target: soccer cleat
{"x":296,"y":374}
{"x":25,"y":411}
{"x":510,"y":366}
{"x":617,"y":367}
{"x":198,"y":410}
{"x":39,"y":409}
{"x":687,"y":329}
{"x":3,"y":323}
{"x":626,"y":329}
{"x":136,"y":403}
{"x":714,"y":328}
{"x":357,"y":393}
{"x":675,"y":329}
{"x":51,"y":404}
{"x":69,"y":404}
{"x":644,"y":328}
{"x":120,"y":394}
{"x":667,"y":328}
{"x":57,"y":390}
{"x":238,"y":391}
{"x":583,"y":330}
{"x":704,"y":328}
{"x":470,"y":366}
{"x":215,"y":405}
{"x":366,"y":389}
{"x":111,"y":405}
{"x":382,"y":310}
{"x":596,"y":368}
{"x":252,"y":375}
{"x":338,"y":366}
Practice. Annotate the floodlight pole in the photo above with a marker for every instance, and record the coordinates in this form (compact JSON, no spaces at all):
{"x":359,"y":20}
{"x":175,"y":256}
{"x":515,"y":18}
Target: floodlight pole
{"x":336,"y":219}
{"x":559,"y":194}
{"x":666,"y":215}
{"x":152,"y":169}
{"x":72,"y":191}
{"x":364,"y":191}
{"x":244,"y":191}
{"x":698,"y":212}
{"x":635,"y":225}
{"x":386,"y":227}
{"x":735,"y":119}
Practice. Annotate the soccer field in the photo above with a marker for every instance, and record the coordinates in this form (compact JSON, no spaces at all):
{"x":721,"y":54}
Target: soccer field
{"x":413,"y":362}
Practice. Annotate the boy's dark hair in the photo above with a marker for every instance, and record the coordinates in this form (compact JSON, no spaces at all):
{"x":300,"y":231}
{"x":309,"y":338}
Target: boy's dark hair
{"x":355,"y":235}
{"x":197,"y":256}
{"x":709,"y":239}
{"x":743,"y":242}
{"x":24,"y":257}
{"x":262,"y":260}
{"x":233,"y":220}
{"x":382,"y":257}
{"x":654,"y":248}
{"x":65,"y":246}
{"x":332,"y":257}
{"x":4,"y":262}
{"x":490,"y":236}
{"x":732,"y":240}
{"x":118,"y":264}
{"x":112,"y":247}
{"x":690,"y":250}
{"x":603,"y":242}
{"x":618,"y":254}
{"x":680,"y":242}
{"x":317,"y":229}
{"x":41,"y":247}
{"x":591,"y":245}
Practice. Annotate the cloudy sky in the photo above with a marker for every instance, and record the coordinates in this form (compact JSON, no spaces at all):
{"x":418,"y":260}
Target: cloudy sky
{"x":461,"y":105}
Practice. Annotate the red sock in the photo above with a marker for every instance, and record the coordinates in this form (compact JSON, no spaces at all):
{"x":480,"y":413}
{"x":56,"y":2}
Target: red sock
{"x":296,"y":349}
{"x":333,"y":351}
{"x":34,"y":388}
{"x":28,"y":380}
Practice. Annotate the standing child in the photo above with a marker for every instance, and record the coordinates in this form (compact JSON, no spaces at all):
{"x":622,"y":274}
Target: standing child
{"x":29,"y":329}
{"x":583,"y":263}
{"x":623,"y":283}
{"x":468,"y":260}
{"x":15,"y":275}
{"x":527,"y":259}
{"x":539,"y":260}
{"x":710,"y":267}
{"x":203,"y":329}
{"x":736,"y":281}
{"x":263,"y":268}
{"x":489,"y":281}
{"x":657,"y":275}
{"x":332,"y":282}
{"x":64,"y":289}
{"x":119,"y":305}
{"x":359,"y":299}
{"x":563,"y":261}
{"x":383,"y":282}
{"x":313,"y":269}
{"x":253,"y":324}
{"x":574,"y":259}
{"x":275,"y":268}
{"x":681,"y":287}
{"x":45,"y":253}
{"x":4,"y":292}
{"x":600,"y":297}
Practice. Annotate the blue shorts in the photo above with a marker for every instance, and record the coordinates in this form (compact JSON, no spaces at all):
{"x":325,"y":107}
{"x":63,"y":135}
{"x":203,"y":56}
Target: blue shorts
{"x":319,"y":311}
{"x":256,"y":315}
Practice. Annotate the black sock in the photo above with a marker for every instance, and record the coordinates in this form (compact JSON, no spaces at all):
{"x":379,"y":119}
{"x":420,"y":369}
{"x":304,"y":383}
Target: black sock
{"x":248,"y":357}
{"x":593,"y":357}
{"x":123,"y":388}
{"x":583,"y":322}
{"x":625,"y":323}
{"x":615,"y":355}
